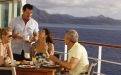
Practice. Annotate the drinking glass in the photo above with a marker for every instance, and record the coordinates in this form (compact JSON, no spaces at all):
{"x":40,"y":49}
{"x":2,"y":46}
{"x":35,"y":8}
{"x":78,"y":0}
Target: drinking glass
{"x":37,"y":64}
{"x":27,"y":56}
{"x":34,"y":59}
{"x":13,"y":63}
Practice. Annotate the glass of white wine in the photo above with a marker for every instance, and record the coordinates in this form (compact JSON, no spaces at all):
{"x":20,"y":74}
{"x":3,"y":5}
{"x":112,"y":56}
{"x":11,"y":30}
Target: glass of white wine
{"x":37,"y":64}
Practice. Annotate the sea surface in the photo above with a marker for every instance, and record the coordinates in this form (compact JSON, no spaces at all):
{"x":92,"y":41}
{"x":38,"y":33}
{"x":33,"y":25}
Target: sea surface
{"x":93,"y":33}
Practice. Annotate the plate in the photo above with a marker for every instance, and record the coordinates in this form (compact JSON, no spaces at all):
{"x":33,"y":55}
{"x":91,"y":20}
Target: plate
{"x":26,"y":66}
{"x":53,"y":66}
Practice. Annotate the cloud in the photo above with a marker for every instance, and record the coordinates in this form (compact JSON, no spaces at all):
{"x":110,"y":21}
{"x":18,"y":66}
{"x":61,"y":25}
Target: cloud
{"x":80,"y":8}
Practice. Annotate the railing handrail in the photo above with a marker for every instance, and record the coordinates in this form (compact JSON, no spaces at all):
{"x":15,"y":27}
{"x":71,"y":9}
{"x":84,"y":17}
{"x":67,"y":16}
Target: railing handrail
{"x":95,"y":44}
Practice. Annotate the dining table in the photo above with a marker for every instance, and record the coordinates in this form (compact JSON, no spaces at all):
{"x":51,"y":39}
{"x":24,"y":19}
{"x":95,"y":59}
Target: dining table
{"x":40,"y":71}
{"x":32,"y":68}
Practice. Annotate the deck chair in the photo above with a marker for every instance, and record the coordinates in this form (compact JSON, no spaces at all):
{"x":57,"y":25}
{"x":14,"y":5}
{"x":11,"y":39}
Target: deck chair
{"x":91,"y":68}
{"x":7,"y":71}
{"x":90,"y":71}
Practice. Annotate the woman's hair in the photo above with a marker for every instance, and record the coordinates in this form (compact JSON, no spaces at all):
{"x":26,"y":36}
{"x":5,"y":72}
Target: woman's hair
{"x":4,"y":31}
{"x":49,"y":35}
{"x":72,"y":35}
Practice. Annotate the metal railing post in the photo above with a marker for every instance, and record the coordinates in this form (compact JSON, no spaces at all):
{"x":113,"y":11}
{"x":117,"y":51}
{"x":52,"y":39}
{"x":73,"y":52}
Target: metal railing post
{"x":65,"y":51}
{"x":99,"y":61}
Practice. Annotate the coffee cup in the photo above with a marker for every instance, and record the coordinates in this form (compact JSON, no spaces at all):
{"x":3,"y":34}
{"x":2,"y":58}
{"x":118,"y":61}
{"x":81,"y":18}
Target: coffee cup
{"x":26,"y":37}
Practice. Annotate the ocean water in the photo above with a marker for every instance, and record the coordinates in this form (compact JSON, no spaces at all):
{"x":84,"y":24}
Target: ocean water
{"x":93,"y":33}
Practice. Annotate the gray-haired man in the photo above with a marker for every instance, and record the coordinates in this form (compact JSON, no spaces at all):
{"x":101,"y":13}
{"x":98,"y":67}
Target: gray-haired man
{"x":77,"y":62}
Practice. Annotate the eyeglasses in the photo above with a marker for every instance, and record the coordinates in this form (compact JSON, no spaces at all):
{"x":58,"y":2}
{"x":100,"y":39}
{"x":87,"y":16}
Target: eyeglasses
{"x":10,"y":36}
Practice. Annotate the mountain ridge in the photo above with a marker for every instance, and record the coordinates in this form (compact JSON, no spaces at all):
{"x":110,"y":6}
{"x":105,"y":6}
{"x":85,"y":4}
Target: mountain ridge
{"x":43,"y":17}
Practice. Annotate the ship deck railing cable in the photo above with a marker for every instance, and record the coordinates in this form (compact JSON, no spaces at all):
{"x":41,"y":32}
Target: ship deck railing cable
{"x":105,"y":61}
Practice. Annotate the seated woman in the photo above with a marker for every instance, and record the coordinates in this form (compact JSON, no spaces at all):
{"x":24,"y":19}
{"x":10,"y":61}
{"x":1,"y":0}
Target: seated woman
{"x":5,"y":47}
{"x":44,"y":46}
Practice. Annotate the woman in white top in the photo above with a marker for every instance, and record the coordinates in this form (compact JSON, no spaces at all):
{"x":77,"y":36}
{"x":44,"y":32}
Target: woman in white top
{"x":5,"y":47}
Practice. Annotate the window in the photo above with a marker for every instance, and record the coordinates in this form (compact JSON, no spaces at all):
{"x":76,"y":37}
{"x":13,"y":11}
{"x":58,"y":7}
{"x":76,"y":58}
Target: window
{"x":18,"y":9}
{"x":4,"y":15}
{"x":6,"y":11}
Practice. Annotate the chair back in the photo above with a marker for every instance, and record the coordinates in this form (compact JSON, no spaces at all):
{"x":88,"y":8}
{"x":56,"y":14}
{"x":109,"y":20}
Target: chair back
{"x":91,"y":68}
{"x":7,"y":71}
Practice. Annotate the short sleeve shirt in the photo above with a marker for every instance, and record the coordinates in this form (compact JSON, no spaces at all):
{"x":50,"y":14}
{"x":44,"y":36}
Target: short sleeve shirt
{"x":79,"y":52}
{"x":18,"y":26}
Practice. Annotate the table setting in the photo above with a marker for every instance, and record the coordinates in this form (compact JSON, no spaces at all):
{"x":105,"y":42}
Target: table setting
{"x":41,"y":66}
{"x":35,"y":64}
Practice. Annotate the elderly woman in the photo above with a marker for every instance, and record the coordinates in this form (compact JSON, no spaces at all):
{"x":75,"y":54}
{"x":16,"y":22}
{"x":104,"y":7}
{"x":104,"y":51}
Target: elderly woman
{"x":44,"y":46}
{"x":5,"y":47}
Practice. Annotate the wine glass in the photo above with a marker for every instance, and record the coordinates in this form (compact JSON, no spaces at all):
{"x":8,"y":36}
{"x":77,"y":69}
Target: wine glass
{"x":37,"y":64}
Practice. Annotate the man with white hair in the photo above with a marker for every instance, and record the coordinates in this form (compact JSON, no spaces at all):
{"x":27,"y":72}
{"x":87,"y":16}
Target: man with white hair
{"x":77,"y":62}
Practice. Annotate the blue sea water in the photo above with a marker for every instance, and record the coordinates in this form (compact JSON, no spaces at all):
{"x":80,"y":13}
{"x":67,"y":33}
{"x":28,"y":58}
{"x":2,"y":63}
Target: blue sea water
{"x":93,"y":33}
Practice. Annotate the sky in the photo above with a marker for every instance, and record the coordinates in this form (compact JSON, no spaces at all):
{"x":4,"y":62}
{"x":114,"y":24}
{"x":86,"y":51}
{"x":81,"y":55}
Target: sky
{"x":80,"y":8}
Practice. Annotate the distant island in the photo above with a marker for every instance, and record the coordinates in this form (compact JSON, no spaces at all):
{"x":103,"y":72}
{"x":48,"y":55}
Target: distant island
{"x":43,"y":17}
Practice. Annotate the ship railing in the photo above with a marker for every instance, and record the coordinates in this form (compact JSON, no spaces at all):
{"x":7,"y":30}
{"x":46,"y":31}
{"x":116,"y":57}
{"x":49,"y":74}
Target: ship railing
{"x":99,"y":59}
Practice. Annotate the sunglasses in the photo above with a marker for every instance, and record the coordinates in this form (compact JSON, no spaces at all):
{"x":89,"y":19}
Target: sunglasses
{"x":10,"y":36}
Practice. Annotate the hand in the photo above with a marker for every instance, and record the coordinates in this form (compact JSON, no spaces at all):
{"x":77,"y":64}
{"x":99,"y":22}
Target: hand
{"x":28,"y":41}
{"x":18,"y":36}
{"x":53,"y":58}
{"x":7,"y":60}
{"x":7,"y":65}
{"x":32,"y":39}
